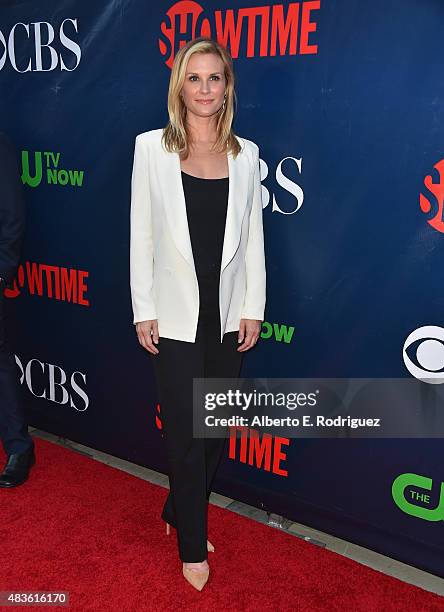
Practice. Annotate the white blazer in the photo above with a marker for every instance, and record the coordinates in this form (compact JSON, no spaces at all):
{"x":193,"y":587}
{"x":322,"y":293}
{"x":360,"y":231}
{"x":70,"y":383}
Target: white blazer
{"x":164,"y":284}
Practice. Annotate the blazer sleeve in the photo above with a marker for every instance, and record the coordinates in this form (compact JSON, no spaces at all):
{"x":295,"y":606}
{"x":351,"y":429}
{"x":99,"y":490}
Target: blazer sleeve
{"x":141,"y":237}
{"x":255,"y":295}
{"x":12,"y":210}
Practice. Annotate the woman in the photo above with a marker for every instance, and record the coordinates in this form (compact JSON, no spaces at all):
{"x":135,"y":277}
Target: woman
{"x":197,"y":270}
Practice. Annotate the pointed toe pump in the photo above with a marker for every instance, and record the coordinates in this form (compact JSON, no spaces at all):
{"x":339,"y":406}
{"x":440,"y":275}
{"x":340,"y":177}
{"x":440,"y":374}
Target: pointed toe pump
{"x":197,"y":579}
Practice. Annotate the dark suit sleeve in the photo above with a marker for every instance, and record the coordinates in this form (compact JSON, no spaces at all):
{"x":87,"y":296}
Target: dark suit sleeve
{"x":12,"y":210}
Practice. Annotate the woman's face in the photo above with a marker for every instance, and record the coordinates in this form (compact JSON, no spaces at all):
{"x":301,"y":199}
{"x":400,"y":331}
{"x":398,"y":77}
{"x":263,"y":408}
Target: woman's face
{"x":204,"y":86}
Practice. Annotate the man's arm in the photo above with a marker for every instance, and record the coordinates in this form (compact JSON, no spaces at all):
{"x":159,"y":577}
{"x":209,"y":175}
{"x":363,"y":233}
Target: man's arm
{"x":12,"y":210}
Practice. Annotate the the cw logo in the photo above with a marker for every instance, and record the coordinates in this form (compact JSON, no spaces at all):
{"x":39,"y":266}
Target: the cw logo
{"x":437,"y":190}
{"x":407,"y":502}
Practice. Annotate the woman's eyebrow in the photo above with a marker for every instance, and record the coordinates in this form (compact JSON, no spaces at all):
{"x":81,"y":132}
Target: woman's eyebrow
{"x":198,"y":73}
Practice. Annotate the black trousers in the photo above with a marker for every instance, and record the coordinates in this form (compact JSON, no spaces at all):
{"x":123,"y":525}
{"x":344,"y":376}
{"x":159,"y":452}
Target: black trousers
{"x":192,"y":461}
{"x":13,"y":427}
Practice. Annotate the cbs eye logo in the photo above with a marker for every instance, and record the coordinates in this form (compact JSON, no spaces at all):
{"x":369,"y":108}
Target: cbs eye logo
{"x":423,"y":354}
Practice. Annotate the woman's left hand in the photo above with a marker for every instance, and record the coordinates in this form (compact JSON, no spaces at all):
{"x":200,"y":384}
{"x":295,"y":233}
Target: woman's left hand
{"x":249,"y":330}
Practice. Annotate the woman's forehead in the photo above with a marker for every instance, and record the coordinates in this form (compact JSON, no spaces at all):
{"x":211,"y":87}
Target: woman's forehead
{"x":204,"y":62}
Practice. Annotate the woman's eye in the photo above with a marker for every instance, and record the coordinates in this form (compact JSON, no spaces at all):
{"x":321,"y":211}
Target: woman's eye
{"x":214,"y":76}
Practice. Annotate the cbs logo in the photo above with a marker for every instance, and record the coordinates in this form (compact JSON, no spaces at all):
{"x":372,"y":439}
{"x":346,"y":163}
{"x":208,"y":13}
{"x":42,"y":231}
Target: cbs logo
{"x":425,"y":346}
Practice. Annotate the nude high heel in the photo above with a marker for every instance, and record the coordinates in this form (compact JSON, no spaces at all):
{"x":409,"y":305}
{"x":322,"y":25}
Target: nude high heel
{"x":197,"y":579}
{"x":210,"y":547}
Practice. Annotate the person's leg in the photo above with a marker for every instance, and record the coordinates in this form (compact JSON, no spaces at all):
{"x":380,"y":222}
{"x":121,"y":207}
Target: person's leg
{"x":175,"y":366}
{"x":222,"y":360}
{"x":13,"y":427}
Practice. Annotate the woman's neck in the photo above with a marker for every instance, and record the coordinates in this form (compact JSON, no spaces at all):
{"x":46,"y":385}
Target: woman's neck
{"x":202,"y":131}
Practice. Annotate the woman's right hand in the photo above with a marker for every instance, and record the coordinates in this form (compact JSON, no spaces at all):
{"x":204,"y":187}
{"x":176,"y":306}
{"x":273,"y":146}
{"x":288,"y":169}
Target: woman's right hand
{"x":148,"y":333}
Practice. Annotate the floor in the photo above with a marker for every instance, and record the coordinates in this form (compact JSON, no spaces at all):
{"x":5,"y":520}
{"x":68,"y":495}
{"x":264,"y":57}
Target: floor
{"x":362,"y":555}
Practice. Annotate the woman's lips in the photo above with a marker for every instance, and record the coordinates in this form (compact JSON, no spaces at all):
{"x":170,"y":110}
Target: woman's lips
{"x":204,"y":101}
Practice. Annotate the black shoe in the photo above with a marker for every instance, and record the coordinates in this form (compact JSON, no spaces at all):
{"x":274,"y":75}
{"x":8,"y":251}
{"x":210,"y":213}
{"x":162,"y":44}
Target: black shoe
{"x":17,"y":469}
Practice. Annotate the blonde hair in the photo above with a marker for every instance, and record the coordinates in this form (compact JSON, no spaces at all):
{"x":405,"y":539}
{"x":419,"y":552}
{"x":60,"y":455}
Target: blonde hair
{"x":175,"y":135}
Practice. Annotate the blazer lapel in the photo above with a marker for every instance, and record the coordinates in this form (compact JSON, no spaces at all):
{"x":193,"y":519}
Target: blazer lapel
{"x":239,"y":175}
{"x":173,"y":198}
{"x":175,"y":207}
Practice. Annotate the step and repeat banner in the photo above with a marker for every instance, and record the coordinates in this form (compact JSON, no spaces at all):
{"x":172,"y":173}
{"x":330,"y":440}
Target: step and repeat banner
{"x":345,"y":101}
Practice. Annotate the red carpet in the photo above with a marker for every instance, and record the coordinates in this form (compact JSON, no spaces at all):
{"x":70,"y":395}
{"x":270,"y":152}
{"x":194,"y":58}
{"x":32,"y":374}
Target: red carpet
{"x":81,"y":526}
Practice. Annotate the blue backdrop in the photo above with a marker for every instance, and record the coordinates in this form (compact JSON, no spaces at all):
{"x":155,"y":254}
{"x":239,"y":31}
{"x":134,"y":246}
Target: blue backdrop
{"x":345,"y":101}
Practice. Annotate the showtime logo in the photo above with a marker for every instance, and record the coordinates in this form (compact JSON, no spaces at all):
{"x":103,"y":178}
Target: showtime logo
{"x":54,"y":175}
{"x":44,"y":46}
{"x":437,"y":192}
{"x":261,"y":452}
{"x":54,"y":282}
{"x":257,"y":31}
{"x":50,"y":382}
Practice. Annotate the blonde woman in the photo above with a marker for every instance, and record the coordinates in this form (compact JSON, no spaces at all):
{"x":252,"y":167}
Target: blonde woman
{"x":197,"y":271}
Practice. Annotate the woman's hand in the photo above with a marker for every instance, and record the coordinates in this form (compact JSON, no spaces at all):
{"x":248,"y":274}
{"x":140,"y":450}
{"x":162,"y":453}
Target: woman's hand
{"x":147,"y":333}
{"x":249,"y":330}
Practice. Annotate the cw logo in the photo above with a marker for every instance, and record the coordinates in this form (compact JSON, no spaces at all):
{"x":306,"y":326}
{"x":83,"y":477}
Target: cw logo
{"x":279,"y":331}
{"x":54,"y":174}
{"x":437,"y":190}
{"x":407,"y":499}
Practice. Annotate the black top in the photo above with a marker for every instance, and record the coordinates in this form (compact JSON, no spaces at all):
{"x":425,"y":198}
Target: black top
{"x":206,"y":203}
